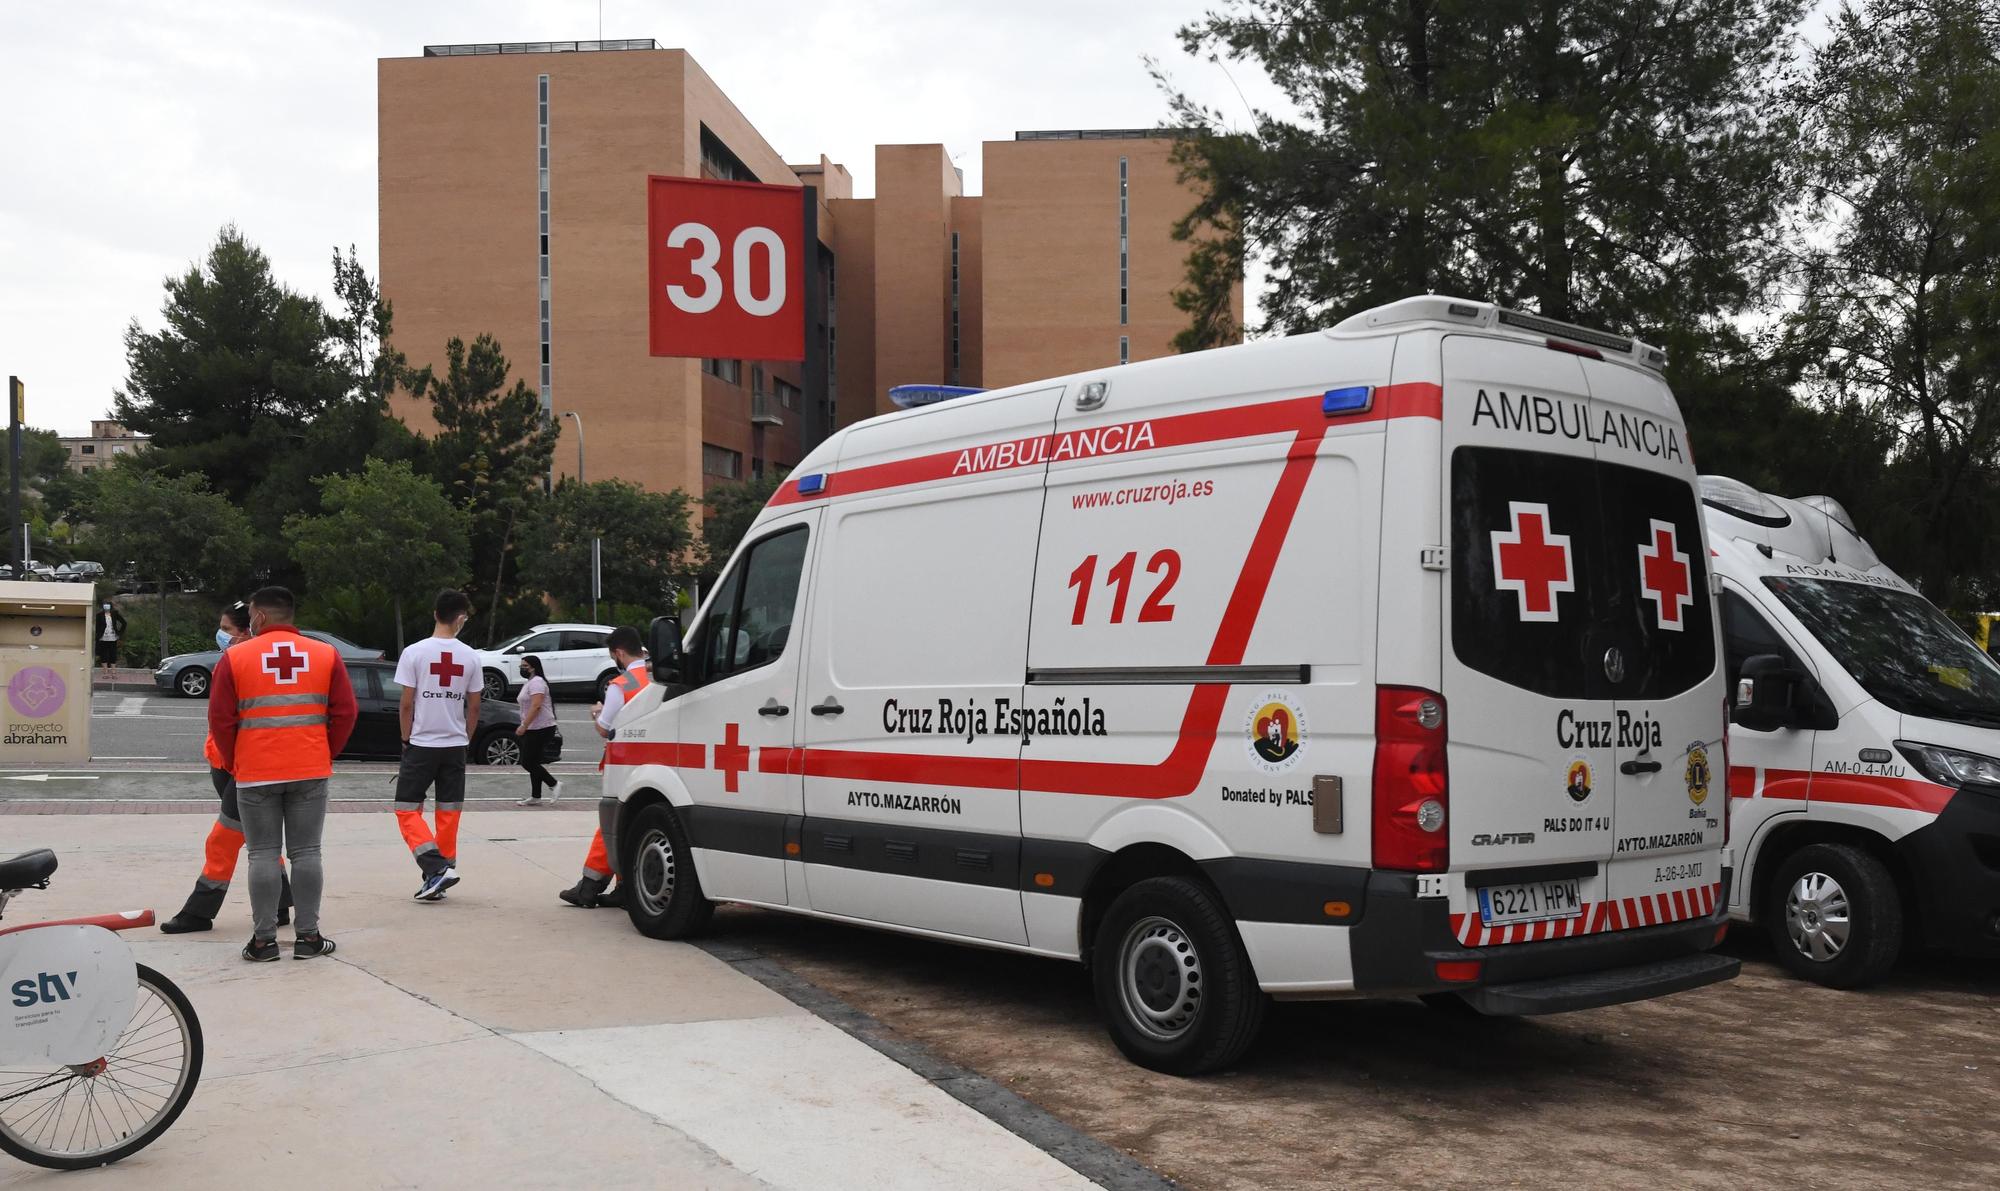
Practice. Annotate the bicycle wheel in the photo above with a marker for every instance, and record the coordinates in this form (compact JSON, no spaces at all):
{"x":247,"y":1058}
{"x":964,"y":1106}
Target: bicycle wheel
{"x":75,"y":1116}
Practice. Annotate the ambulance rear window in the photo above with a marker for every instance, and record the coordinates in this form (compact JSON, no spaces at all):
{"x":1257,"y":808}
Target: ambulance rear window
{"x":1557,"y":560}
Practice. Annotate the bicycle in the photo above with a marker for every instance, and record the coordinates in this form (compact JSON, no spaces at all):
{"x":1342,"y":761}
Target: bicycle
{"x":123,"y":1042}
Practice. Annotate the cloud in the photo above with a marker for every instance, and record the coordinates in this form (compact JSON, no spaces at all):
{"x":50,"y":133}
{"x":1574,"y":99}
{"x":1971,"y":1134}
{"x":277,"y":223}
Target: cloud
{"x":141,"y":128}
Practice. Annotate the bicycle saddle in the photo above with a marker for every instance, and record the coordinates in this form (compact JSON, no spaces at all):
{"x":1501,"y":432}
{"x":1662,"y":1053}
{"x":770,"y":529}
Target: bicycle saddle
{"x":27,"y":869}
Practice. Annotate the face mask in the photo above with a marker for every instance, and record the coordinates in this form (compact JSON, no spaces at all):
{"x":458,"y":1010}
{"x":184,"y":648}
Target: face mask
{"x":221,"y":639}
{"x":527,"y":673}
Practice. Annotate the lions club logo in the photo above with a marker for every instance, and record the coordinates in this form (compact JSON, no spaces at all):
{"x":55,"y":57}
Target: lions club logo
{"x":1276,"y":733}
{"x":1576,"y":783}
{"x":1697,"y":774}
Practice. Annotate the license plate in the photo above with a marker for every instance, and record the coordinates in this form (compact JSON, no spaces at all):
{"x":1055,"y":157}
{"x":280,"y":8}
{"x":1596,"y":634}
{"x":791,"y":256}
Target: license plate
{"x":1535,"y":901}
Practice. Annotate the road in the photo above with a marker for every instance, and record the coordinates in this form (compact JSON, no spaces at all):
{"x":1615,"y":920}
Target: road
{"x":147,"y":747}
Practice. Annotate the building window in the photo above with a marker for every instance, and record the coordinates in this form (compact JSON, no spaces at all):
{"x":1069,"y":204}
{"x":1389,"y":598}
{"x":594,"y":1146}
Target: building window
{"x":1124,"y":349}
{"x":788,"y":393}
{"x":728,"y":371}
{"x":718,"y":162}
{"x":954,"y":308}
{"x":721,"y":461}
{"x":89,"y":448}
{"x":1124,"y":244}
{"x":542,"y":203}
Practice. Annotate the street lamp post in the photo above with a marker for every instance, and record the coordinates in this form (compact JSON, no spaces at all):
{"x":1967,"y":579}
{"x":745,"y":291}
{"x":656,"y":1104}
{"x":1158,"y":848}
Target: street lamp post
{"x":579,"y":442}
{"x":596,"y":561}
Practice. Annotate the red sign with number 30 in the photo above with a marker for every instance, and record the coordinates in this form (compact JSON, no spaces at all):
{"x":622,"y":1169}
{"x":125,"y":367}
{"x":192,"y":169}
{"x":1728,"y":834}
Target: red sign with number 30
{"x":726,"y":269}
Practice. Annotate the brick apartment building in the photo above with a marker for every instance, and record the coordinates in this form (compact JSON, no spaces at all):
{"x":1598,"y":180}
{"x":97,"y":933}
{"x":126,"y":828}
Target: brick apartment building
{"x":513,"y":203}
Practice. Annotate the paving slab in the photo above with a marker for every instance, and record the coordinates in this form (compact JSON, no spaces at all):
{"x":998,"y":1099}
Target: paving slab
{"x":498,"y":1039}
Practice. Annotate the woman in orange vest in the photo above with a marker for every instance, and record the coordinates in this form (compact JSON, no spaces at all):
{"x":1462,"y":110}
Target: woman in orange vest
{"x":631,"y":658}
{"x":225,"y":835}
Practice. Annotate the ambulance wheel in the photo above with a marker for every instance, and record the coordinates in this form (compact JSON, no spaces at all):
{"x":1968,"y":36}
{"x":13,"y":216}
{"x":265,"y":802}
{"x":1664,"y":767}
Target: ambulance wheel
{"x":1172,"y":979}
{"x":1834,"y":916}
{"x":663,"y":892}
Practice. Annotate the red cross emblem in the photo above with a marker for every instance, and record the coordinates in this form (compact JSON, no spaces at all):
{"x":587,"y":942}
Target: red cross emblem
{"x":284,"y":663}
{"x":1531,"y":562}
{"x":1664,"y":577}
{"x":731,"y":757}
{"x":446,"y":668}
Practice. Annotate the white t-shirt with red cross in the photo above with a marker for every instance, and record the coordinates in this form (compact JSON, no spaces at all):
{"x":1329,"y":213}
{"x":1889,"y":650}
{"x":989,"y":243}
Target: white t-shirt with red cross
{"x":440,"y":672}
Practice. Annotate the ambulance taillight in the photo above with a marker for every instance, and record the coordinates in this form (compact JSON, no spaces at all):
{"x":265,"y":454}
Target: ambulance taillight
{"x":1412,"y":790}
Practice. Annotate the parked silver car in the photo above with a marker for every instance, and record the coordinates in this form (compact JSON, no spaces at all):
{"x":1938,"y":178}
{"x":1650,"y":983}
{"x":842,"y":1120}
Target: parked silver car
{"x":188,"y":673}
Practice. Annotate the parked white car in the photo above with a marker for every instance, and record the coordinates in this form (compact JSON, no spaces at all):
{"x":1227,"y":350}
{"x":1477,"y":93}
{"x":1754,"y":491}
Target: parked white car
{"x":572,"y":656}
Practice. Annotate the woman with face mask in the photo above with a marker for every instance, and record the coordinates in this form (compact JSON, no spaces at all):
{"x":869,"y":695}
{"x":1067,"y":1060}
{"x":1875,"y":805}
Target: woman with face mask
{"x":538,"y":725}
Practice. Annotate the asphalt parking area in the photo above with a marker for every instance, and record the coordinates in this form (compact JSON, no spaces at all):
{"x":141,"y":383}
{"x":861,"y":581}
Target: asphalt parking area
{"x":1761,"y":1081}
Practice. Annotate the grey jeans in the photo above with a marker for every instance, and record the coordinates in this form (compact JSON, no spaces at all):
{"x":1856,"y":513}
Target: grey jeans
{"x":291,"y":814}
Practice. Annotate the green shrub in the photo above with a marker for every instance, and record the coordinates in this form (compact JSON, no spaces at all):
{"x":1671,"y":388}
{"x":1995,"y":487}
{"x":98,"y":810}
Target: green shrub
{"x":190,"y":627}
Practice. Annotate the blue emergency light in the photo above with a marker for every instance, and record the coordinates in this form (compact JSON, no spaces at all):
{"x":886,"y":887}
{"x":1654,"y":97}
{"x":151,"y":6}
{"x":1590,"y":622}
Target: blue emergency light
{"x":813,"y":484}
{"x":1346,"y":401}
{"x":912,"y":396}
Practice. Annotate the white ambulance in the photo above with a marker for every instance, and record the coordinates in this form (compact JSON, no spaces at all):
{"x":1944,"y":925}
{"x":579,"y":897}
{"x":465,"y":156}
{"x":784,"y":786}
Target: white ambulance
{"x":1373,"y":662}
{"x":1864,"y":777}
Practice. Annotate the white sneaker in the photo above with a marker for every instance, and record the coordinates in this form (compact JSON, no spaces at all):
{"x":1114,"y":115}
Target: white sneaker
{"x":529,"y":802}
{"x":555,"y":792}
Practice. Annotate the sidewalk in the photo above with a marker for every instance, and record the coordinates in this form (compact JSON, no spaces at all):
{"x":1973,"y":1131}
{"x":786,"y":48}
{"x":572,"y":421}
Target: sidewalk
{"x":500,"y":1038}
{"x":121,"y":678}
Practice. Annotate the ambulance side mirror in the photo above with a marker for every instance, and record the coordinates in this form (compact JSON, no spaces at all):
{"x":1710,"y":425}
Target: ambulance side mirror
{"x":1772,"y":693}
{"x":663,"y":641}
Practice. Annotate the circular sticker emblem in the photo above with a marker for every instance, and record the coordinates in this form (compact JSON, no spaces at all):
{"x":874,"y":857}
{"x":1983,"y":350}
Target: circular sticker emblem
{"x":1577,"y":781}
{"x":36,"y":692}
{"x":1697,"y":774}
{"x":1275,"y":732}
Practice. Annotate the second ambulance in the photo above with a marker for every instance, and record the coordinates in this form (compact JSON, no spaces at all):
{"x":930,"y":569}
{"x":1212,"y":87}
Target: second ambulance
{"x":1865,"y":765}
{"x":1373,"y":662}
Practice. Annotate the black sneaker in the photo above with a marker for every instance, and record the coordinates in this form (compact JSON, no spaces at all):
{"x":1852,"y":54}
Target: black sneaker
{"x":261,"y":951}
{"x":613,"y":897}
{"x":185,"y":923}
{"x":307,"y":946}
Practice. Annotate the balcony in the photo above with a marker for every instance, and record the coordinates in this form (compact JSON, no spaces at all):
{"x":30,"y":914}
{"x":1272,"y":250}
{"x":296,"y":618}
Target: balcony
{"x":765,"y":410}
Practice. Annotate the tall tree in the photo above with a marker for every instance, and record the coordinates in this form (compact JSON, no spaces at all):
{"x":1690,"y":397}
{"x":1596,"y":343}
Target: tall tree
{"x":236,"y":373}
{"x":1902,"y":298}
{"x":491,"y":452}
{"x":356,"y":424}
{"x":167,"y":528}
{"x":386,"y":528}
{"x":731,"y":510}
{"x":1611,"y":161}
{"x":648,"y":544}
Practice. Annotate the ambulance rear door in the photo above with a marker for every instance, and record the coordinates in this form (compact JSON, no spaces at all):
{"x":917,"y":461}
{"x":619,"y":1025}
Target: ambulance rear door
{"x":1530,"y":663}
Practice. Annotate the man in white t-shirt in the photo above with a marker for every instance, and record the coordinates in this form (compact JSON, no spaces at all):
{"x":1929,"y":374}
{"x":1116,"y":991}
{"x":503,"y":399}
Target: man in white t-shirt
{"x":440,"y":711}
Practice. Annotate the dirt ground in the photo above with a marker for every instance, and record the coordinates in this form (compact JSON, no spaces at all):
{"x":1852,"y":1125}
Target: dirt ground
{"x":1763,"y":1081}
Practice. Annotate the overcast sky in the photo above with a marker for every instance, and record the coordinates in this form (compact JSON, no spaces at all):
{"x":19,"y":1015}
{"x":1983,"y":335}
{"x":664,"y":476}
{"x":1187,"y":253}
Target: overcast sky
{"x":136,"y":129}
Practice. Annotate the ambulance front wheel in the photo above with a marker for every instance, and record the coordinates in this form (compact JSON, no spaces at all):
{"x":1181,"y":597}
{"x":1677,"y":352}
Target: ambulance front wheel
{"x":1834,"y":915}
{"x":664,"y":899}
{"x":1172,"y":979}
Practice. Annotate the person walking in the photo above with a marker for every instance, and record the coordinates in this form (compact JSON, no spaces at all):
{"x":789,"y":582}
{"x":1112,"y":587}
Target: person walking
{"x":537,"y":728}
{"x":108,"y":636}
{"x":280,"y":709}
{"x":630,"y":656}
{"x":225,"y":835}
{"x":440,"y":711}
